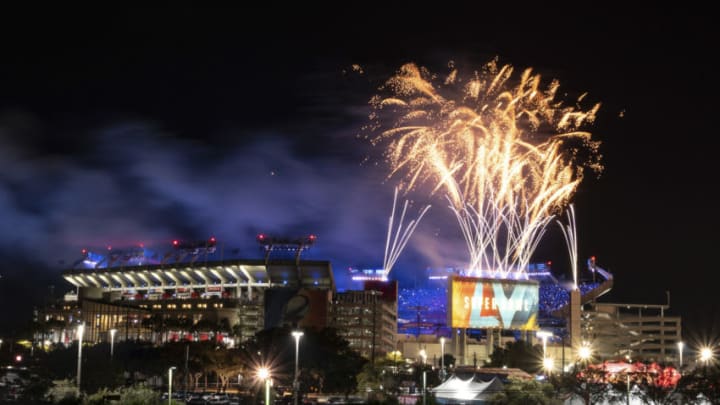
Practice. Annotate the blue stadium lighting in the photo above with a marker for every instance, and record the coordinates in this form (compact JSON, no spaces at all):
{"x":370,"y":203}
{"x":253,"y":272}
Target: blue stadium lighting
{"x":369,"y":278}
{"x":423,"y":310}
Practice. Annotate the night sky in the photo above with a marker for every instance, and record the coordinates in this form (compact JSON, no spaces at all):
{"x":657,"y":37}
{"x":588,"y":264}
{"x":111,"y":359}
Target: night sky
{"x":125,"y":126}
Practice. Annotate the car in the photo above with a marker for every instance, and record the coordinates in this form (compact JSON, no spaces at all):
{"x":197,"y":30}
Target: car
{"x":218,"y":399}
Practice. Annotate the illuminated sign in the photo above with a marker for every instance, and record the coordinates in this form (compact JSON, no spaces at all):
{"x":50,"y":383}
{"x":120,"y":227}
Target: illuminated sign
{"x":480,"y":303}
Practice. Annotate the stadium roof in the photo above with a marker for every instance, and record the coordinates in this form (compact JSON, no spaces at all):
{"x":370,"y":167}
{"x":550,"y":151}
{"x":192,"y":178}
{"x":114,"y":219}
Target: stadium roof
{"x":227,"y":273}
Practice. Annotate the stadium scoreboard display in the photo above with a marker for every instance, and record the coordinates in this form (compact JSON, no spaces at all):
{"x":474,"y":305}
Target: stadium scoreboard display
{"x":484,"y":303}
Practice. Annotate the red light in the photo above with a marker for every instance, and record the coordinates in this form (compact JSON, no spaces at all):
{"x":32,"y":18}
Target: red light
{"x":212,"y":239}
{"x":592,"y":258}
{"x":261,"y":236}
{"x":18,"y":358}
{"x":312,"y":237}
{"x":84,"y":251}
{"x":142,"y":245}
{"x":176,"y":242}
{"x":549,"y":263}
{"x":109,"y":247}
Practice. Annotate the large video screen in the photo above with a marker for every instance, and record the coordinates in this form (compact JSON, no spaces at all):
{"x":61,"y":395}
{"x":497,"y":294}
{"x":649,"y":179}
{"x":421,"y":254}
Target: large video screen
{"x":481,"y":303}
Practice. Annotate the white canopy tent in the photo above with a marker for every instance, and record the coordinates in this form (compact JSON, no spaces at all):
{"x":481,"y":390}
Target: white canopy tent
{"x":469,"y":391}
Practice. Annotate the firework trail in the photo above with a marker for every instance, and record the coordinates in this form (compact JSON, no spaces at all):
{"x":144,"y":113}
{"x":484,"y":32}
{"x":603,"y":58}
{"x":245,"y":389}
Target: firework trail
{"x":507,"y":154}
{"x":570,"y":234}
{"x":398,"y":238}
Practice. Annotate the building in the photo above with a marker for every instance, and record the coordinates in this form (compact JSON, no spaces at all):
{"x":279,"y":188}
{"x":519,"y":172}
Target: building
{"x":367,"y":318}
{"x":637,"y":331}
{"x":191,"y":301}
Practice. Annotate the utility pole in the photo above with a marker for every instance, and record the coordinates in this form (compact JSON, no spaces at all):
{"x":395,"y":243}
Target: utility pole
{"x":187,"y":370}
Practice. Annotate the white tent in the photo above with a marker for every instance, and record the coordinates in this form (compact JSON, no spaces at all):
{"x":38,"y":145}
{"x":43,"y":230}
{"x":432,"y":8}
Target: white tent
{"x":456,"y":390}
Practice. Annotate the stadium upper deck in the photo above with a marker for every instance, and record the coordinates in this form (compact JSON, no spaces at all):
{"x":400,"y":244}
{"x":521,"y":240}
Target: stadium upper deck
{"x":238,"y":274}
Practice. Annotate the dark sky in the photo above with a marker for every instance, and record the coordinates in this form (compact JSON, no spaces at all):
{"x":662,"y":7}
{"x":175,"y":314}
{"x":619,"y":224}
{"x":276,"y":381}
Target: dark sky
{"x":121,"y":126}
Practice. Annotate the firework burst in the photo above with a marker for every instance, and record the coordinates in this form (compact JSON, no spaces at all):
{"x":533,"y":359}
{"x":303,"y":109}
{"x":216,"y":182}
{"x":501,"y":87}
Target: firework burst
{"x":570,"y":233}
{"x":398,"y":237}
{"x":504,"y":150}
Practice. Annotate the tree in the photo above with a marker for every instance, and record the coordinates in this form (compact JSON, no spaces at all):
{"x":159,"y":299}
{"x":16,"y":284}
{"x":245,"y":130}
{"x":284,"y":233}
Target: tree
{"x":139,"y":396}
{"x":62,"y":390}
{"x":526,"y":392}
{"x":518,"y":354}
{"x":449,"y":360}
{"x":700,"y":384}
{"x":379,"y":379}
{"x":589,"y":384}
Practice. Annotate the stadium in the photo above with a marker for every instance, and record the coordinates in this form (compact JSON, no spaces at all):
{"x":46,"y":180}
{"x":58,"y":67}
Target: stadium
{"x":196,"y":292}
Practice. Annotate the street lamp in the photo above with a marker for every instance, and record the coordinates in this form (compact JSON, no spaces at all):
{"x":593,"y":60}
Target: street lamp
{"x":584,"y":353}
{"x":544,"y":335}
{"x":706,"y":354}
{"x":80,"y":331}
{"x":681,"y":346}
{"x":170,"y":370}
{"x":424,"y":377}
{"x":442,"y":358}
{"x":548,"y":364}
{"x":296,"y":383}
{"x":112,"y":341}
{"x":264,"y":374}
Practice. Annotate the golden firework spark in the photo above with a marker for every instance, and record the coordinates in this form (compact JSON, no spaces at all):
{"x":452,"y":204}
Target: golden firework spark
{"x":506,"y":152}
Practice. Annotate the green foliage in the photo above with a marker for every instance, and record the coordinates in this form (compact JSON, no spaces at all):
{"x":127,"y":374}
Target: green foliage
{"x":381,"y":382}
{"x":328,"y":362}
{"x":449,"y":360}
{"x":97,"y":398}
{"x":62,"y":390}
{"x":518,"y":354}
{"x":139,"y":396}
{"x":700,"y":383}
{"x":526,"y":392}
{"x":588,"y":385}
{"x":35,"y":389}
{"x":70,"y":401}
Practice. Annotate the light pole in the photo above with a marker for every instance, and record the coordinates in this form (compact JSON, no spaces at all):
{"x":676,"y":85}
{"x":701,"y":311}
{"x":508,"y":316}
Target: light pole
{"x":80,"y":331}
{"x":112,"y":341}
{"x":424,"y":377}
{"x":544,"y":335}
{"x":442,"y":358}
{"x":628,"y":387}
{"x":296,"y":383}
{"x":681,"y":346}
{"x":264,"y":374}
{"x":170,"y":370}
